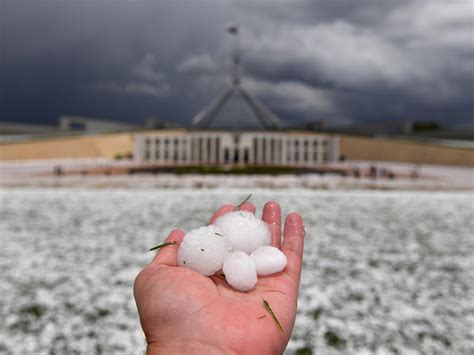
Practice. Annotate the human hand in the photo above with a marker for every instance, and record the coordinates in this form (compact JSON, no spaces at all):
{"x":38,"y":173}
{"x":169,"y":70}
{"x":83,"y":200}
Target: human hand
{"x":183,"y":312}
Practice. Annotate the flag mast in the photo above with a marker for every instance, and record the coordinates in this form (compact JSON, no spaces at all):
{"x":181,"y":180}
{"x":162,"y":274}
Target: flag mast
{"x":263,"y":114}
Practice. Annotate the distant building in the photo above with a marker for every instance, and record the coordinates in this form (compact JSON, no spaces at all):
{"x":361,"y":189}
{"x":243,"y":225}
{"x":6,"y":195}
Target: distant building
{"x":182,"y":147}
{"x":66,"y":125}
{"x":92,"y":125}
{"x":14,"y":128}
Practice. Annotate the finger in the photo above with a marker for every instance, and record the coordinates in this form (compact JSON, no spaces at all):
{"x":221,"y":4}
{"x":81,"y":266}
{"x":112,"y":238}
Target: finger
{"x":272,"y":217}
{"x":221,"y":211}
{"x":168,"y":255}
{"x":293,"y":241}
{"x":249,"y":207}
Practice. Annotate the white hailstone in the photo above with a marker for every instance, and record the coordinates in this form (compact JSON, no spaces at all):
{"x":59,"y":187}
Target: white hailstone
{"x":268,"y":260}
{"x":244,"y":231}
{"x":239,"y":271}
{"x":203,"y":250}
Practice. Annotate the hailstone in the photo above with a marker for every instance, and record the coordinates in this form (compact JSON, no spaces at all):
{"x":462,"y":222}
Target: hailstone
{"x":244,"y":231}
{"x":204,"y":250}
{"x":239,"y":271}
{"x":268,"y":260}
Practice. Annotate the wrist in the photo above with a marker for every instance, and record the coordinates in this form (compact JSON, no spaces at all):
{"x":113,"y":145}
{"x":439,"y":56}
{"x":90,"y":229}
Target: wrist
{"x":186,"y":347}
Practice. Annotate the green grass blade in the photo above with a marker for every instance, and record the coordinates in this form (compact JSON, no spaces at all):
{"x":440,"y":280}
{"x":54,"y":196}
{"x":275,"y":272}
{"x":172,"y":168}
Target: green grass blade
{"x":269,"y":310}
{"x":162,"y":246}
{"x":243,"y":201}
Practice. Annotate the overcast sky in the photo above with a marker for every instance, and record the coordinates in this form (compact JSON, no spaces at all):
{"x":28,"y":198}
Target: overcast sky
{"x":337,"y":61}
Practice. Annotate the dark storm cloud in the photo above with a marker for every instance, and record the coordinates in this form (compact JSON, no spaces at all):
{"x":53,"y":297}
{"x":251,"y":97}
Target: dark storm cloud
{"x":339,"y":61}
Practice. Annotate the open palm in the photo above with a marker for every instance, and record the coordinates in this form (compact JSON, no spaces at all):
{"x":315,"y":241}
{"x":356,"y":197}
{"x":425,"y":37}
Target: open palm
{"x":184,"y":312}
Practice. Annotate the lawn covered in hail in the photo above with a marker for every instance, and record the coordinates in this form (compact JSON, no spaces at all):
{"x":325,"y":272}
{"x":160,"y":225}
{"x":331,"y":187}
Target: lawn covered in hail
{"x":384,"y":272}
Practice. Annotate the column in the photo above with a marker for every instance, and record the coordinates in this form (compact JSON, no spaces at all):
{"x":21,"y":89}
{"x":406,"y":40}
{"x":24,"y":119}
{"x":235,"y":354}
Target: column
{"x":212,"y":154}
{"x":220,"y":152}
{"x":181,"y":150}
{"x":152,"y":149}
{"x":283,"y":150}
{"x":289,"y":151}
{"x":205,"y":153}
{"x":251,"y":152}
{"x":268,"y":150}
{"x":320,"y":150}
{"x":157,"y":149}
{"x":310,"y":152}
{"x":260,"y":149}
{"x":189,"y":148}
{"x":169,"y":148}
{"x":169,"y":159}
{"x":278,"y":150}
{"x":301,"y":152}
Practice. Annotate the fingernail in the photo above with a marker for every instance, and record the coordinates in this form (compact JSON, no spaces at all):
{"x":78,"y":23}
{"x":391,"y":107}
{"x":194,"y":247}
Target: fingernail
{"x":272,"y":204}
{"x":294,"y":218}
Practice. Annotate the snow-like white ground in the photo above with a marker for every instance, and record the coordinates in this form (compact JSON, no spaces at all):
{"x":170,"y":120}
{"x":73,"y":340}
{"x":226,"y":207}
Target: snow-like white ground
{"x":384,"y":272}
{"x":38,"y":173}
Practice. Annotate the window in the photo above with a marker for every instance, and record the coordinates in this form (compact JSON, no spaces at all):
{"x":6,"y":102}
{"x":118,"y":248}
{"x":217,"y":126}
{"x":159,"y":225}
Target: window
{"x":209,"y":158}
{"x":157,"y":152}
{"x":305,"y":152}
{"x":77,"y":126}
{"x":297,"y":150}
{"x":315,"y":150}
{"x":226,"y":155}
{"x":272,"y":150}
{"x":184,"y":144}
{"x":279,"y":151}
{"x":236,"y":155}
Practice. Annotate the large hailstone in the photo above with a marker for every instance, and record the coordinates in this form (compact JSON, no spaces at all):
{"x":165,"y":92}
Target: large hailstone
{"x":244,"y":231}
{"x":239,"y":271}
{"x":268,"y":260}
{"x":203,"y":250}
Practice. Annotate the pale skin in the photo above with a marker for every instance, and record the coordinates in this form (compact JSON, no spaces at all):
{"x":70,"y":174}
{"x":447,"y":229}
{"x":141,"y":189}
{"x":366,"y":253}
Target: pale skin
{"x":183,"y":312}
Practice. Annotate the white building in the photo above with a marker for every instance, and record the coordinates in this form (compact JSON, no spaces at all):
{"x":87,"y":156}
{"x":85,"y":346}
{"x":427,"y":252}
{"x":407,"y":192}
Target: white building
{"x":269,"y":148}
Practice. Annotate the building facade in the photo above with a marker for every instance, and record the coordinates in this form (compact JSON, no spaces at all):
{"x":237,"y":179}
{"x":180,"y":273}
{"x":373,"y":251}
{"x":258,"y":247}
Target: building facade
{"x":263,"y":148}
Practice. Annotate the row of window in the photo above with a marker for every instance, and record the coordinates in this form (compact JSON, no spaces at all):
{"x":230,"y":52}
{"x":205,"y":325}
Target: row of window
{"x":208,"y":149}
{"x":183,"y":141}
